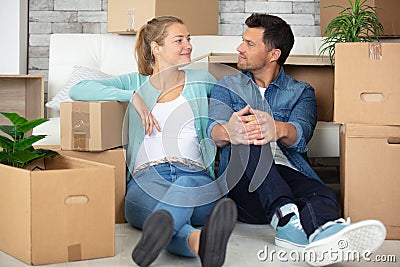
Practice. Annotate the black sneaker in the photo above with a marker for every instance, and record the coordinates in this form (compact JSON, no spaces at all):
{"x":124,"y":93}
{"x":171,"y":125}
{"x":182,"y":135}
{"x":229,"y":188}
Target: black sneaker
{"x":216,"y":232}
{"x":157,"y":233}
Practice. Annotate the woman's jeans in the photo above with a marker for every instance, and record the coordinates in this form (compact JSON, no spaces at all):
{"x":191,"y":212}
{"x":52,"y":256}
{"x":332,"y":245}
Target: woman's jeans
{"x":187,"y":192}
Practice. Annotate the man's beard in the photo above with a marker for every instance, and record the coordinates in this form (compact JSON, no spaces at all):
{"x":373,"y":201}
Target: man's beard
{"x":248,"y":67}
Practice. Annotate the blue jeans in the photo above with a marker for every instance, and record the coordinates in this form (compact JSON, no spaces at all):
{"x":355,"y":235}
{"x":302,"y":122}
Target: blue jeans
{"x":187,"y":192}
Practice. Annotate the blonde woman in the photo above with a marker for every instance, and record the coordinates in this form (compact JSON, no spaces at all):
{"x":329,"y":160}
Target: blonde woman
{"x":171,"y":187}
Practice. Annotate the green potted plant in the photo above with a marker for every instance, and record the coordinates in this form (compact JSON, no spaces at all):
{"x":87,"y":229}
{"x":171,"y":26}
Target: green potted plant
{"x":357,"y":23}
{"x":18,"y":151}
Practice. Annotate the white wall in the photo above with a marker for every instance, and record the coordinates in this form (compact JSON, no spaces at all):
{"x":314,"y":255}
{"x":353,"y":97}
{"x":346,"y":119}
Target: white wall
{"x":13,"y":36}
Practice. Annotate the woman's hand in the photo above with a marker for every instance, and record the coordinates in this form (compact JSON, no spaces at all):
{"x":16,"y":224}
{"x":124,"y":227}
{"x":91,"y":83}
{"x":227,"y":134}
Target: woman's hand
{"x":148,"y":120}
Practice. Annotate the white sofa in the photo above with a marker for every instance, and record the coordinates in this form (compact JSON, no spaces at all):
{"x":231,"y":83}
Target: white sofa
{"x":114,"y":54}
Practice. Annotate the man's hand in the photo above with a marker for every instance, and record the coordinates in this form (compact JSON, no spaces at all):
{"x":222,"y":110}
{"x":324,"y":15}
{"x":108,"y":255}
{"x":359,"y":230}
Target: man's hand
{"x":244,"y":127}
{"x":263,"y":130}
{"x":148,"y":120}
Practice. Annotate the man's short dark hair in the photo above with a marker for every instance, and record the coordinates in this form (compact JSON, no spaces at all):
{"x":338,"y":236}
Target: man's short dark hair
{"x":277,"y":33}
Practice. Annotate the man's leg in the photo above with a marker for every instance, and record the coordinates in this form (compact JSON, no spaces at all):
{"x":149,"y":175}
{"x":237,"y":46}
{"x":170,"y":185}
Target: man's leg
{"x":273,"y":192}
{"x":316,"y":201}
{"x":327,"y":232}
{"x":270,"y":200}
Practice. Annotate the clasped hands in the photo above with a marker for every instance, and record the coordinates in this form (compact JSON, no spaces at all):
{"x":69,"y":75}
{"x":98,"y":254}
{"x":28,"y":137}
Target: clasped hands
{"x":251,"y":127}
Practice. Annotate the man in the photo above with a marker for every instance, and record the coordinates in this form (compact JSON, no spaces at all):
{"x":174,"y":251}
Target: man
{"x":262,"y":120}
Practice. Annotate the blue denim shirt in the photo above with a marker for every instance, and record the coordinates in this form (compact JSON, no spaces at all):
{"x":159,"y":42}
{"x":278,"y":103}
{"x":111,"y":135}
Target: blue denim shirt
{"x":286,"y":99}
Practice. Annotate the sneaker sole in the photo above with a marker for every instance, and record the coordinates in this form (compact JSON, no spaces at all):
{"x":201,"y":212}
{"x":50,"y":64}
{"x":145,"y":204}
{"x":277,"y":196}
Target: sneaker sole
{"x":356,"y":238}
{"x":288,"y":245}
{"x":156,"y":235}
{"x":215,"y":234}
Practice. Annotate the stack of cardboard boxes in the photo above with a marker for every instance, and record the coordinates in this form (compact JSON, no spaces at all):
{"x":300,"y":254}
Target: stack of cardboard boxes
{"x":93,"y":131}
{"x":65,"y":210}
{"x":367,"y":97}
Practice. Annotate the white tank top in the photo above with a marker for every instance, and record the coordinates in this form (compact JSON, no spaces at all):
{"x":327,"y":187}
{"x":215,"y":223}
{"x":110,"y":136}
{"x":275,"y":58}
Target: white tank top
{"x":277,"y":153}
{"x":178,"y":136}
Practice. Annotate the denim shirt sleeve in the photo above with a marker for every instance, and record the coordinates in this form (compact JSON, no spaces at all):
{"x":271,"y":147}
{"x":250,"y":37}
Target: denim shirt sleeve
{"x":304,"y":118}
{"x":220,"y":109}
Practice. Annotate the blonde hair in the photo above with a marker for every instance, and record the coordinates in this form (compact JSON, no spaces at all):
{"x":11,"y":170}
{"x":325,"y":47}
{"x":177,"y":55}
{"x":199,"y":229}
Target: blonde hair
{"x":154,"y":30}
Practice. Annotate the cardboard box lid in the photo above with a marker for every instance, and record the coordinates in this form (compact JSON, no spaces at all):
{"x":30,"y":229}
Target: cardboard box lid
{"x":371,"y":131}
{"x":307,"y":60}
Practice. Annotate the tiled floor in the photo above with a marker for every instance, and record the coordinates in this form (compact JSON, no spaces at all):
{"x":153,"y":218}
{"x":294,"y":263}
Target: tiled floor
{"x":244,"y":244}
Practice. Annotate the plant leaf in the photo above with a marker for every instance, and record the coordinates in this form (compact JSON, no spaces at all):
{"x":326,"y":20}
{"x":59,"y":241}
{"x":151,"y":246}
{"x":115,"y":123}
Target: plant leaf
{"x":11,"y":131}
{"x":5,"y":143}
{"x":14,"y":118}
{"x":22,"y":157}
{"x":28,"y":142}
{"x":357,"y":23}
{"x":29,"y":125}
{"x":3,"y":157}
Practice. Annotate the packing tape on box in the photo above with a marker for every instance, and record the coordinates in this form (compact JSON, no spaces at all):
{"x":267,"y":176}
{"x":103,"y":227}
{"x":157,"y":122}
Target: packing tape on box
{"x":80,"y":130}
{"x":375,"y":51}
{"x":75,"y":252}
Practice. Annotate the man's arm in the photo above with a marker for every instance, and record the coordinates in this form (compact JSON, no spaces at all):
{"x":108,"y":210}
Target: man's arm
{"x":286,"y":133}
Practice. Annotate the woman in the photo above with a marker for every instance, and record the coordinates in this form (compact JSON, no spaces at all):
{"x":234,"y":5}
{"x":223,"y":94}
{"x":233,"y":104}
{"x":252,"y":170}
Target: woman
{"x":171,"y":188}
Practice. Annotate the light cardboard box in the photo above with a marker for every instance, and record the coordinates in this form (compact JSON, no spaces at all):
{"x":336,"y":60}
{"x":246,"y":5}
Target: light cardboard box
{"x":370,"y":174}
{"x":366,"y":83}
{"x":387,"y":12}
{"x":114,"y":157}
{"x":61,"y":214}
{"x":315,"y":70}
{"x":91,"y":126}
{"x":201,"y":17}
{"x":22,"y":94}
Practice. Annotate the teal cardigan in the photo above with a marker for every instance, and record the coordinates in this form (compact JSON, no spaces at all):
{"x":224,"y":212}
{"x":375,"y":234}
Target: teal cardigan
{"x":197,"y":89}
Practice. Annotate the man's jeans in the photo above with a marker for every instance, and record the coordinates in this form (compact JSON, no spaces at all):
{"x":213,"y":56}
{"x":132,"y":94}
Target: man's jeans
{"x":187,"y":192}
{"x":278,"y":185}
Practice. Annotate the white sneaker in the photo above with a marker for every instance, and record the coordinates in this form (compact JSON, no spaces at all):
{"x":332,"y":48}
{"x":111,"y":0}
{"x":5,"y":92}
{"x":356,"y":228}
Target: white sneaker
{"x":342,"y":241}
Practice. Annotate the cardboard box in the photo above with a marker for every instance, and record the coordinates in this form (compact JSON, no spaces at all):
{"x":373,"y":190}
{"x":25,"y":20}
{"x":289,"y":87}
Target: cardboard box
{"x":61,"y":214}
{"x":315,"y":70}
{"x":387,"y":13}
{"x":22,"y":94}
{"x":114,"y":157}
{"x":366,"y":83}
{"x":201,"y":17}
{"x":370,"y":174}
{"x":91,"y":126}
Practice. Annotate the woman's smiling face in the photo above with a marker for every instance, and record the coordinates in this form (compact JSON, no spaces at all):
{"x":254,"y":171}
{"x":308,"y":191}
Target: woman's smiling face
{"x":176,"y":49}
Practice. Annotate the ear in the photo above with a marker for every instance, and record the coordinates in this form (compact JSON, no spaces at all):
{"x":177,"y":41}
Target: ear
{"x":276,"y":54}
{"x":155,"y":48}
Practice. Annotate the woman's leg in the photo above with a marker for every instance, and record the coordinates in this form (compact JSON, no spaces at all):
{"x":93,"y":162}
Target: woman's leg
{"x":138,"y":205}
{"x":189,"y":200}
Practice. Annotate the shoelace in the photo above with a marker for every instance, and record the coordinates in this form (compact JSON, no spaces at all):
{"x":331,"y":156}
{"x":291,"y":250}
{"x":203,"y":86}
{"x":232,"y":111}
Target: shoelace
{"x":296,"y":223}
{"x":341,"y":221}
{"x":327,"y":225}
